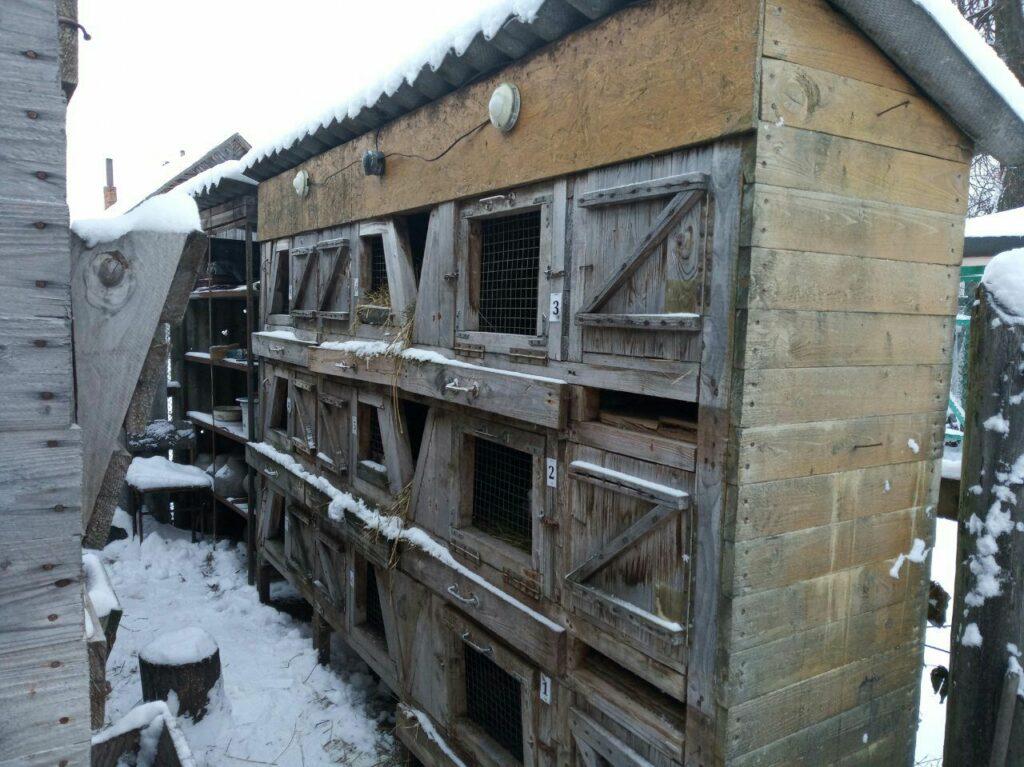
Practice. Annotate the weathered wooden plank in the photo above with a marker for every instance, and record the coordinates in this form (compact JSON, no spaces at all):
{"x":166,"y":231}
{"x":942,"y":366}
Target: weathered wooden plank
{"x":815,"y":100}
{"x":810,"y":32}
{"x":782,"y":506}
{"x":816,"y":162}
{"x":777,"y":561}
{"x":774,"y":665}
{"x":675,"y":98}
{"x":667,"y":186}
{"x":784,"y":279}
{"x":888,"y":721}
{"x":799,"y":450}
{"x":532,"y":398}
{"x":273,"y":346}
{"x":538,"y":641}
{"x":704,"y":713}
{"x":34,"y":275}
{"x":787,"y":339}
{"x":645,"y":446}
{"x":800,"y":395}
{"x":763,"y":720}
{"x":770,"y":615}
{"x":434,"y":323}
{"x":35,"y":385}
{"x":680,"y":321}
{"x":41,"y":469}
{"x":815,"y":222}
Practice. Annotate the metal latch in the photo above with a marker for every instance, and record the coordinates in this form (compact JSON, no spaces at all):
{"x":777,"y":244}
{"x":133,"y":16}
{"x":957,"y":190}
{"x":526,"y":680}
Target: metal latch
{"x":472,"y":390}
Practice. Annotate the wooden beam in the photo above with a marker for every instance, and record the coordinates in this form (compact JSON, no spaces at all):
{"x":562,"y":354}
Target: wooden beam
{"x":667,"y":186}
{"x":647,"y":523}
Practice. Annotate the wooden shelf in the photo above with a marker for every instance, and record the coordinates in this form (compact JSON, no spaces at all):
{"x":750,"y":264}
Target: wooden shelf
{"x":238,"y":505}
{"x":230,"y":429}
{"x":237,"y":292}
{"x":203,"y":358}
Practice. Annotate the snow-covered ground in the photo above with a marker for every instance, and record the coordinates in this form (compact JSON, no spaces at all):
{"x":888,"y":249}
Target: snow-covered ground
{"x":278,"y":706}
{"x":932,"y":728}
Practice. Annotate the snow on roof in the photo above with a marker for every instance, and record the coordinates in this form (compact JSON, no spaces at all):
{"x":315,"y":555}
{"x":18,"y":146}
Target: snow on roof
{"x":970,"y":42}
{"x":201,"y":183}
{"x":1004,"y":278}
{"x":1005,"y":223}
{"x":171,"y":212}
{"x":487,"y":19}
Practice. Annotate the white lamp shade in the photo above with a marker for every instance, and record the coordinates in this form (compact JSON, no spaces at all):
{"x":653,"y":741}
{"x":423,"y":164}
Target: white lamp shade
{"x":503,"y":107}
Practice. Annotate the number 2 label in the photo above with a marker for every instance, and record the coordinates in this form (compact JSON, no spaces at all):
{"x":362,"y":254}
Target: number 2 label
{"x":551,"y":472}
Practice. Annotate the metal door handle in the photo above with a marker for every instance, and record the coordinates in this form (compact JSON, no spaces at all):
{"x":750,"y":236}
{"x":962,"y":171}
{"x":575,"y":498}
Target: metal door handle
{"x":478,"y":648}
{"x":472,"y":390}
{"x":470,"y":600}
{"x":270,"y":473}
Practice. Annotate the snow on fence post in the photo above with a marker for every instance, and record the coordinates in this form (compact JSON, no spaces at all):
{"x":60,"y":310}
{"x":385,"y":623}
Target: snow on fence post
{"x":988,"y":612}
{"x":185,"y":662}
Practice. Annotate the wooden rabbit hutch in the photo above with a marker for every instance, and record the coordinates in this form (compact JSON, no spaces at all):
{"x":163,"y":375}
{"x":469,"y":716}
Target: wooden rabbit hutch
{"x":597,"y":439}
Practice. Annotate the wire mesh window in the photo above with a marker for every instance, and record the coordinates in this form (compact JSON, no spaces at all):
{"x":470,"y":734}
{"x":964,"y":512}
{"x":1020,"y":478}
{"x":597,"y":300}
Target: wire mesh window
{"x":502,"y":482}
{"x":494,"y":702}
{"x":378,"y":266}
{"x":374,"y":615}
{"x":509,"y":272}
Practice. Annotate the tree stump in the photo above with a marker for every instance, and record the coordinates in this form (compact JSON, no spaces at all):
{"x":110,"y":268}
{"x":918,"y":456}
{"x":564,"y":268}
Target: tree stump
{"x":185,"y":662}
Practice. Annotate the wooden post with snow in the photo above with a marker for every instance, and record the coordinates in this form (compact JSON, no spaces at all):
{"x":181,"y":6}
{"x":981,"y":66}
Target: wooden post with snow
{"x":988,"y":613}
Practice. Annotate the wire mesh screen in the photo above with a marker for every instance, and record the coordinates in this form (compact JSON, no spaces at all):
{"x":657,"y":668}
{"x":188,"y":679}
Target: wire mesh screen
{"x":374,"y":616}
{"x":378,"y":265}
{"x":493,"y":702}
{"x":509,"y":271}
{"x":502,"y":480}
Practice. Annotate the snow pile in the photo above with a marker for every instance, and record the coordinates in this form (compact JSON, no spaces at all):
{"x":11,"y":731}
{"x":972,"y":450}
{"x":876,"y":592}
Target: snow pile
{"x":970,"y":42}
{"x":101,"y":593}
{"x":171,"y":212}
{"x":158,"y":472}
{"x":917,"y":554}
{"x":487,"y":18}
{"x":178,"y":648}
{"x":203,"y":182}
{"x":285,"y":708}
{"x":151,"y":718}
{"x":914,"y":447}
{"x":971,"y":637}
{"x":997,"y":423}
{"x":1004,"y":279}
{"x":431,"y":732}
{"x":1005,"y":223}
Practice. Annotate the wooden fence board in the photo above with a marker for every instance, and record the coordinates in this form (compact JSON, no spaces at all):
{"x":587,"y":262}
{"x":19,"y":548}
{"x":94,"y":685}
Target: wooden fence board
{"x":787,"y":279}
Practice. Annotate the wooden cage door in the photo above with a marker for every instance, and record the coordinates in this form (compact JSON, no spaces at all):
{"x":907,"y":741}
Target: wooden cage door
{"x":642,"y":249}
{"x":629,"y":547}
{"x":334,"y":259}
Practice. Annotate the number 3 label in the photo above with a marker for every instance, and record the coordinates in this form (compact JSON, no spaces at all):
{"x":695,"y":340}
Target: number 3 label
{"x":555,"y":310}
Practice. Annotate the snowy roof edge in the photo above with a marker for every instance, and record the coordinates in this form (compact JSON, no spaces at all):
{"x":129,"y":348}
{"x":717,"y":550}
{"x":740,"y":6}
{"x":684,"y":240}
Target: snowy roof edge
{"x":952,"y":64}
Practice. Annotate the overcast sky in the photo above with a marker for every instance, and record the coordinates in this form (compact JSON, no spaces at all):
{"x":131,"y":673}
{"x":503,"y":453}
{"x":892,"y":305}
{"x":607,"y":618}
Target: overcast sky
{"x":160,"y":77}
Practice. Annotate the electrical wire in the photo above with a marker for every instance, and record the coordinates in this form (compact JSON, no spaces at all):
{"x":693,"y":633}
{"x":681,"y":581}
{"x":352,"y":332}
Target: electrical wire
{"x":376,"y":143}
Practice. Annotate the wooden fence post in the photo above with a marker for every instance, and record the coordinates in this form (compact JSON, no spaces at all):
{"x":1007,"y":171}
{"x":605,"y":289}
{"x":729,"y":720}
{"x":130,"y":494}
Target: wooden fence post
{"x":988,"y":612}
